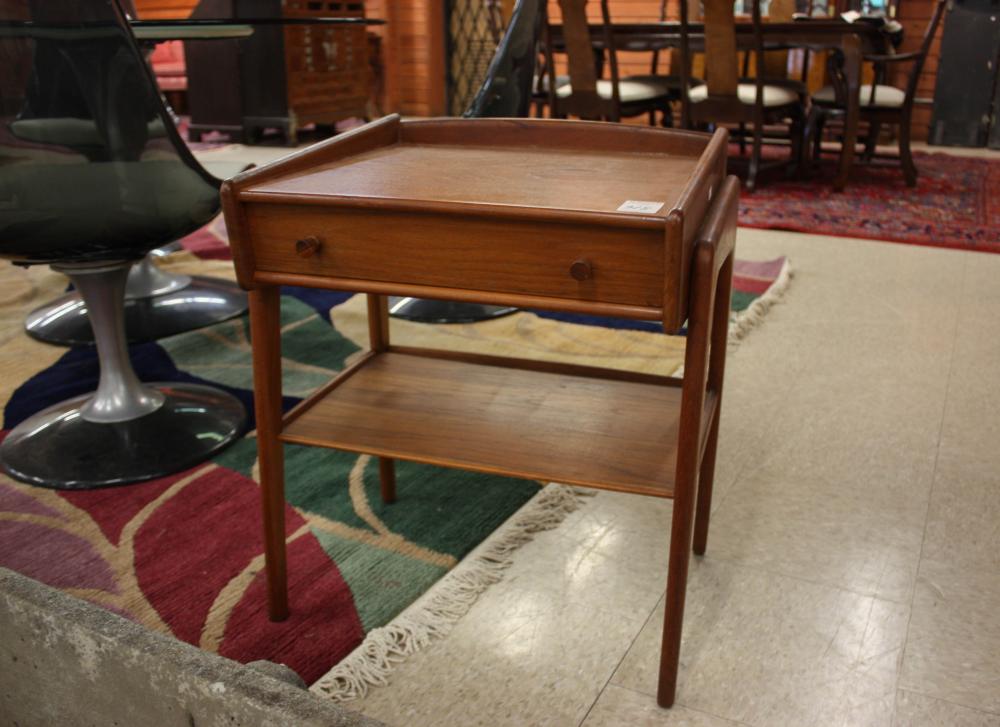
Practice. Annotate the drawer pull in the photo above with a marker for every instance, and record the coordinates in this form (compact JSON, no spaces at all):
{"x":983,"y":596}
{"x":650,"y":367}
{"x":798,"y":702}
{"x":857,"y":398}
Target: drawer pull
{"x":582,"y":270}
{"x":307,"y":246}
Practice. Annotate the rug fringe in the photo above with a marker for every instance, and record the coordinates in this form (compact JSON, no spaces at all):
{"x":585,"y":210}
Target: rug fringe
{"x":434,"y":614}
{"x":740,"y":324}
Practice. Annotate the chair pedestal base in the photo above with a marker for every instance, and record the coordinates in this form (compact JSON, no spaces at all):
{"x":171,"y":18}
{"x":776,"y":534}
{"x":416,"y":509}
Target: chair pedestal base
{"x":202,"y":302}
{"x":426,"y":310}
{"x":60,"y":449}
{"x":125,"y":431}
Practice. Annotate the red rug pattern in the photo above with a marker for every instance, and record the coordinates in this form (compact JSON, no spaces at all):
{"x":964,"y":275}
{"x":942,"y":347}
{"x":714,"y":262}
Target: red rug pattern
{"x":956,"y":204}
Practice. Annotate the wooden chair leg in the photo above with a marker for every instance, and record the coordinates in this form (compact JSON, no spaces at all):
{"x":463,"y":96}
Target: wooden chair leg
{"x":387,"y":479}
{"x":758,"y":141}
{"x":801,"y":157}
{"x":871,"y":141}
{"x":817,"y":135}
{"x":905,"y":155}
{"x":667,"y":116}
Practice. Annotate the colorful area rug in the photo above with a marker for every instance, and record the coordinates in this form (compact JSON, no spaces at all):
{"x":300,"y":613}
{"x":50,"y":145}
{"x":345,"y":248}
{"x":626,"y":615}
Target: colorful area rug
{"x":955,"y":204}
{"x":182,"y":555}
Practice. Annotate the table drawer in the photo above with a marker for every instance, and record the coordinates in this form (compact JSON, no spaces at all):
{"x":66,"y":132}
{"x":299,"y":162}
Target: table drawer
{"x":580,"y":262}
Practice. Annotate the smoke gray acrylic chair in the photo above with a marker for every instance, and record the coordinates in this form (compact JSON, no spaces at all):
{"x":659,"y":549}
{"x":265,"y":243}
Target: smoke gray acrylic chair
{"x":157,"y":303}
{"x":506,"y":91}
{"x":90,"y":209}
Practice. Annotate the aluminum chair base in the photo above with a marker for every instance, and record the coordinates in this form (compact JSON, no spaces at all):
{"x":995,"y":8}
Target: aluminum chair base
{"x":58,"y":448}
{"x":126,"y":431}
{"x":426,"y":310}
{"x":157,"y":304}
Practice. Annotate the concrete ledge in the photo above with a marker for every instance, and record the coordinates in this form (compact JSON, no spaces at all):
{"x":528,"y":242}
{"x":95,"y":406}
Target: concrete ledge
{"x":65,"y":661}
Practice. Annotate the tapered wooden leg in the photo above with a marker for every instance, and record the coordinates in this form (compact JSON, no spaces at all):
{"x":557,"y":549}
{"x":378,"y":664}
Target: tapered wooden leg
{"x":686,"y":482}
{"x":378,"y":322}
{"x":265,"y":332}
{"x":705,"y":481}
{"x":716,"y":374}
{"x":673,"y":619}
{"x":387,"y":479}
{"x":378,"y":335}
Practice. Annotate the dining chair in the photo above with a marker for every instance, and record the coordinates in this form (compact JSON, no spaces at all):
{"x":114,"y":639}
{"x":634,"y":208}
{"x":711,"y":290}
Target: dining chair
{"x":881,"y":103}
{"x":158,"y":303}
{"x":724,"y":99}
{"x":587,"y":95}
{"x":90,"y":209}
{"x":497,"y":25}
{"x":671,"y":80}
{"x":507,"y":91}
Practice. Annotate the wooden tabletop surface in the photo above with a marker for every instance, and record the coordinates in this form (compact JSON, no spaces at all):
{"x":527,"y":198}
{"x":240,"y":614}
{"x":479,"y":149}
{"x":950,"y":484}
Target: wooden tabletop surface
{"x":560,"y":179}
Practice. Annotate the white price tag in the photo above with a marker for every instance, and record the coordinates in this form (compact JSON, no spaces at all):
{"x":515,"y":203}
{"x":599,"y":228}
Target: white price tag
{"x":637,"y":205}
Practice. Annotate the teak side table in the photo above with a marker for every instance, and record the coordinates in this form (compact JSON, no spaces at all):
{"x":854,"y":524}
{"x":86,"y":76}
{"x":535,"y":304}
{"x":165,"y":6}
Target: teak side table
{"x":561,"y":215}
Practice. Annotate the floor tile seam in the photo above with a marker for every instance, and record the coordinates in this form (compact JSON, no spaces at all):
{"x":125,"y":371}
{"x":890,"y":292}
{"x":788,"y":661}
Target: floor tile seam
{"x":617,"y":666}
{"x":952,"y":702}
{"x":814,"y":582}
{"x":930,"y":494}
{"x":679,"y":703}
{"x":652,"y":613}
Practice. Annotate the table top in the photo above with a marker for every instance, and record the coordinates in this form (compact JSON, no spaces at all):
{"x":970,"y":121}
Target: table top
{"x":256,"y":22}
{"x":514,"y":176}
{"x":578,"y":216}
{"x":805,"y":32}
{"x":181,"y":29}
{"x":667,"y":33}
{"x":563,"y":167}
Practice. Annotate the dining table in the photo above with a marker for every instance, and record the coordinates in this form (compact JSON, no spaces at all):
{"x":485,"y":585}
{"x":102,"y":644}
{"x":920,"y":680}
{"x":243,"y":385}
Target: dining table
{"x":172,"y":29}
{"x":852,"y":40}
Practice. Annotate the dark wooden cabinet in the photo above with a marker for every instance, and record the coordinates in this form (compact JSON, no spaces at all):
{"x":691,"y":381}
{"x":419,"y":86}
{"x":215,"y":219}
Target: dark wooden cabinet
{"x":280,"y":77}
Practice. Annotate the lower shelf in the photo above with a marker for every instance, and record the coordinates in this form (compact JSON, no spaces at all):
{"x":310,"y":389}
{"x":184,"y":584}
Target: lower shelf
{"x":503,"y":418}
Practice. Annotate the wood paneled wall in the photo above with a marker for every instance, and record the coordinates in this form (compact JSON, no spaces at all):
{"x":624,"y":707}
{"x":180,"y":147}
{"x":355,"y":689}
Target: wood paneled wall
{"x":160,"y":9}
{"x":413,"y":47}
{"x":413,"y":51}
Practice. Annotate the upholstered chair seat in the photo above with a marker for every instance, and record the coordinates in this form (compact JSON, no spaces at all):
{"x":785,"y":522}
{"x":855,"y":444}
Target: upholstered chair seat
{"x":747,"y":93}
{"x":885,"y":96}
{"x":629,"y":91}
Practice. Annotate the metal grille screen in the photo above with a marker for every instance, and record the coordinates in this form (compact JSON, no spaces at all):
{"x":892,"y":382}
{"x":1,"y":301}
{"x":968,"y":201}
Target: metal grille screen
{"x":474,"y":29}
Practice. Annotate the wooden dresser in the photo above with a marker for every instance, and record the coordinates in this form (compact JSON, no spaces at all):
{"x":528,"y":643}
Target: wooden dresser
{"x":282,"y":78}
{"x":574,"y":216}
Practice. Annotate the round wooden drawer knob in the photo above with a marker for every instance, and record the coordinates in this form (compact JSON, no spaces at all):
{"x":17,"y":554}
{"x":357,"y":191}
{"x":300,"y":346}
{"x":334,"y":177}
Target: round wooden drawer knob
{"x":582,"y":270}
{"x":307,"y":246}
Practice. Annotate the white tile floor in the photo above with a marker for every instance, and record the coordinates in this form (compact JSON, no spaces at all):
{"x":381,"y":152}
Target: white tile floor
{"x":853,"y":569}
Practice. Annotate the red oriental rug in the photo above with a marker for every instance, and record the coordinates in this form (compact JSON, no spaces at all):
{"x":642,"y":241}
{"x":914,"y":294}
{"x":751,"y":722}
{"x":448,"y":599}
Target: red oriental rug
{"x":956,"y":204}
